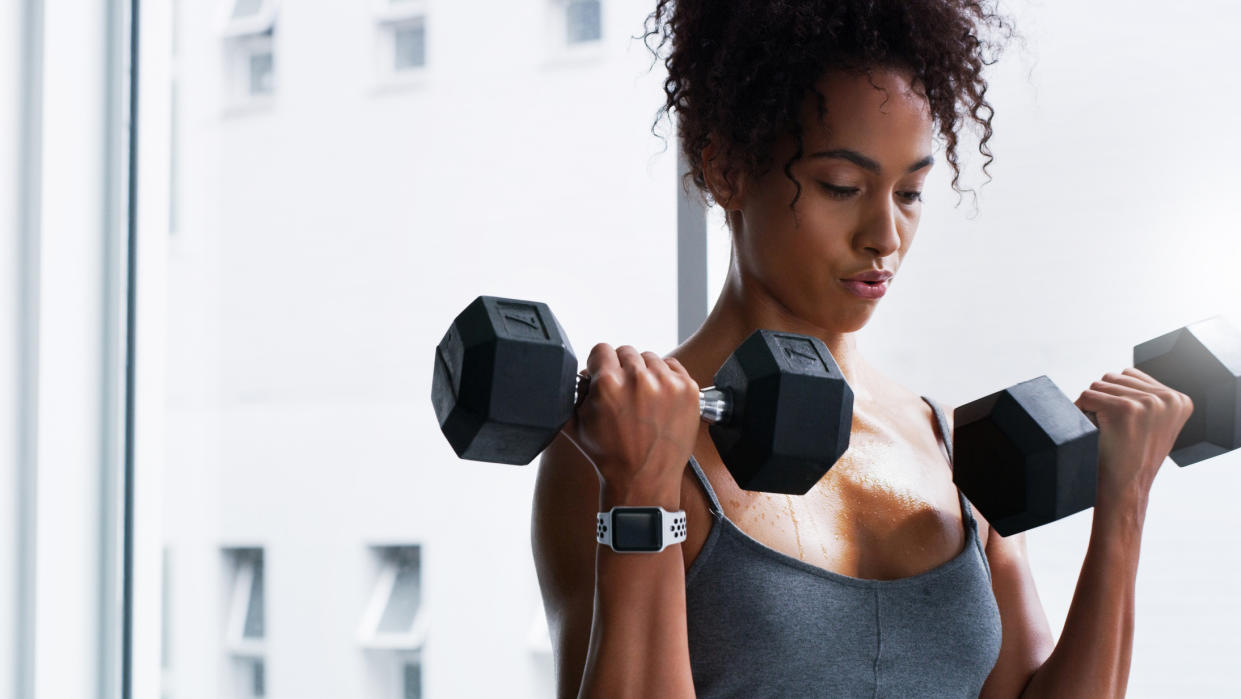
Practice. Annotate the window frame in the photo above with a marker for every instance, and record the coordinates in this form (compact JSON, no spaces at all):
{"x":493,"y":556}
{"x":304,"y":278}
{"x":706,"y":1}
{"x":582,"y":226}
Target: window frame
{"x":262,"y":21}
{"x":369,"y":636}
{"x":558,"y":49}
{"x":241,"y":39}
{"x":243,"y":566}
{"x":389,"y":16}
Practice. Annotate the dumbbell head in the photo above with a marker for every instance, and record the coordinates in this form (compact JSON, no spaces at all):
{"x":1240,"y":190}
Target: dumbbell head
{"x":503,"y":384}
{"x":1203,"y":361}
{"x":1025,"y":456}
{"x":792,"y":412}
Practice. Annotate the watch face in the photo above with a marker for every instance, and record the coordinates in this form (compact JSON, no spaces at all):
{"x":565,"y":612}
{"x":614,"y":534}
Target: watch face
{"x":637,"y":529}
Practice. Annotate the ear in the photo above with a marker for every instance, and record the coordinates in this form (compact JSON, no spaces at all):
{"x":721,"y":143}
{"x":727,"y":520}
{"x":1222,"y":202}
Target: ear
{"x":725,"y":184}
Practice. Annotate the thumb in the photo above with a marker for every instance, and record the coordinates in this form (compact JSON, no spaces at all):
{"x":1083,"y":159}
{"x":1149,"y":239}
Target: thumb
{"x":570,"y":428}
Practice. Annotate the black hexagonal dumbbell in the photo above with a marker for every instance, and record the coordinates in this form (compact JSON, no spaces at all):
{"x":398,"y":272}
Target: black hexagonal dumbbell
{"x":1026,"y":456}
{"x":506,"y":381}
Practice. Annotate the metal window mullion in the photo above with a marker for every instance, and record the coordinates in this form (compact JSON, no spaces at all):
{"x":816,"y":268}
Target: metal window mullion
{"x":30,"y":178}
{"x":691,"y":255}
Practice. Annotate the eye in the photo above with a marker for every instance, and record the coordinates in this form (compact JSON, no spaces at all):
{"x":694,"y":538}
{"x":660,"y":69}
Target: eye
{"x":839,"y":192}
{"x":910,"y":197}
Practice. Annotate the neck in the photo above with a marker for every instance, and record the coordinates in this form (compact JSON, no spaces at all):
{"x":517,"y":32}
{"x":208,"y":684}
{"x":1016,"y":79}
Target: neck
{"x":745,"y":305}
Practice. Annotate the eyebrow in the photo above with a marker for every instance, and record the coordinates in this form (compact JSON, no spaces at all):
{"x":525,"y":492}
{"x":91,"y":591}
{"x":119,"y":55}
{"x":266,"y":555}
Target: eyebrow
{"x":867,"y":163}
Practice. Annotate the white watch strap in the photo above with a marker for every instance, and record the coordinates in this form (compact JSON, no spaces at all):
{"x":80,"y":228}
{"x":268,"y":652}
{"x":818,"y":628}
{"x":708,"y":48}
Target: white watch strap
{"x":672,"y":528}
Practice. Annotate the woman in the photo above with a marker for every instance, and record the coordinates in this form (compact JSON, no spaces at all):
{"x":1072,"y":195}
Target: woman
{"x":811,"y":124}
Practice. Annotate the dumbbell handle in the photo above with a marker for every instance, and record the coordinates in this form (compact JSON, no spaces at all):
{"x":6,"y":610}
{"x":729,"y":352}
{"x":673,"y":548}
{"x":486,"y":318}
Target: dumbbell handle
{"x":715,"y":405}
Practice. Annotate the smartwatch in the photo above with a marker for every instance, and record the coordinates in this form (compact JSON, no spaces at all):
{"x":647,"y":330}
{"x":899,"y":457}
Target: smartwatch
{"x":640,"y":529}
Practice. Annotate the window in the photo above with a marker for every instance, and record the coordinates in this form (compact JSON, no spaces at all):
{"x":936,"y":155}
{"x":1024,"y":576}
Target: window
{"x":261,"y":64}
{"x":411,"y":681}
{"x":248,"y":32}
{"x":574,"y":31}
{"x":393,"y":628}
{"x":401,"y":41}
{"x":166,"y":621}
{"x":393,"y":618}
{"x":245,"y":630}
{"x":249,"y":17}
{"x":410,"y":44}
{"x":582,"y":21}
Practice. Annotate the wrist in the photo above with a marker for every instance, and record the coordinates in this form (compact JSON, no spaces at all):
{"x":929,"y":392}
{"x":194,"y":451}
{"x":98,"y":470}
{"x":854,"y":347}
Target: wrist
{"x":1120,"y":516}
{"x":666,"y":495}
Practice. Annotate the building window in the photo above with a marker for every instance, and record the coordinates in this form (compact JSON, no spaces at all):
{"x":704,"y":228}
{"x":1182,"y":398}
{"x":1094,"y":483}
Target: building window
{"x":248,"y":17}
{"x":393,"y":618}
{"x":249,"y":36}
{"x":401,"y":40}
{"x":247,"y":8}
{"x":583,"y":21}
{"x":165,"y":622}
{"x":410,"y":45}
{"x":245,"y":626}
{"x":261,"y":64}
{"x":393,"y":629}
{"x":574,"y":32}
{"x":411,"y":681}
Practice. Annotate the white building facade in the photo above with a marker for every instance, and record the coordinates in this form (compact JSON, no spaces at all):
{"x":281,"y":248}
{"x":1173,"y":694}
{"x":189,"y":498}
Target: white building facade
{"x":345,"y":178}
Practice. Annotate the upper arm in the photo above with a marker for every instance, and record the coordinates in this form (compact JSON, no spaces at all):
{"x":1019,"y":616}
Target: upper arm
{"x":1027,"y":637}
{"x":566,"y":498}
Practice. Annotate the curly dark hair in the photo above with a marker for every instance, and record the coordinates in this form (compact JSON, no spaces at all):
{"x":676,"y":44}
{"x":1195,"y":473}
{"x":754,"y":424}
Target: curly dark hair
{"x":739,"y":70}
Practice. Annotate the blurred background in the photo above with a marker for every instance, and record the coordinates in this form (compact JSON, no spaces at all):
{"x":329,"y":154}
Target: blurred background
{"x":319,"y":188}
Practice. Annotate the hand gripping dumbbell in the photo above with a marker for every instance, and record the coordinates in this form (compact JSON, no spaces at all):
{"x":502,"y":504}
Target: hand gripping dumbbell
{"x":506,"y":381}
{"x":1027,"y":456}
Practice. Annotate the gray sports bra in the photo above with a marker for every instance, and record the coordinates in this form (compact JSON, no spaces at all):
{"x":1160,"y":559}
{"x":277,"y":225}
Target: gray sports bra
{"x":765,"y":624}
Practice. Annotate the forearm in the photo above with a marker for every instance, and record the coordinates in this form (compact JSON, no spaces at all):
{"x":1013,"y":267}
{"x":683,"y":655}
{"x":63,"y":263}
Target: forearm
{"x":639,"y":640}
{"x":1093,"y":654}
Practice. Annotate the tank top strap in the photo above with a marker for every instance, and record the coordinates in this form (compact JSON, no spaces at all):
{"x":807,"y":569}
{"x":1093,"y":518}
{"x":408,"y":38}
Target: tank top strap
{"x":941,"y":419}
{"x":716,"y":508}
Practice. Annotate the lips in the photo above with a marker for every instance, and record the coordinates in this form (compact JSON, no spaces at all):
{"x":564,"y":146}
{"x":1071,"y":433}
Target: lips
{"x":865,"y":290}
{"x":871,"y":276}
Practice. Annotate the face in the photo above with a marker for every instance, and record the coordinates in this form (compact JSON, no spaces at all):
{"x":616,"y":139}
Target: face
{"x":861,"y":175}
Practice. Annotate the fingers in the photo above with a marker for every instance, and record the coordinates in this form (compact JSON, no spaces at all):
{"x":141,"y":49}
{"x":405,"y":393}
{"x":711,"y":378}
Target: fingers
{"x":671,"y":373}
{"x":675,"y":365}
{"x":631,"y":360}
{"x":1178,"y":397}
{"x":602,"y":357}
{"x":1141,"y":387}
{"x":606,"y":365}
{"x":1099,"y":402}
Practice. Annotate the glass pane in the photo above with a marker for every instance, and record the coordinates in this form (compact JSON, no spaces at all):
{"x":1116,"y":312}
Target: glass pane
{"x":261,"y":65}
{"x":410,"y":46}
{"x":411,"y":681}
{"x":246,"y":8}
{"x":258,"y":679}
{"x":254,"y":609}
{"x":165,"y":612}
{"x":398,"y":615}
{"x":583,"y":21}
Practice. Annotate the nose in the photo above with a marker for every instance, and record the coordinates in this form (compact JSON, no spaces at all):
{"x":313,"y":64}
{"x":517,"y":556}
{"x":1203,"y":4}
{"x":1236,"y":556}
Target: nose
{"x":880,"y":230}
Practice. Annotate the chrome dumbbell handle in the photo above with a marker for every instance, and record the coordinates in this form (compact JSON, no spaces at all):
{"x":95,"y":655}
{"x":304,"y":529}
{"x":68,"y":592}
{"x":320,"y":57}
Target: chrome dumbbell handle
{"x":715,"y":405}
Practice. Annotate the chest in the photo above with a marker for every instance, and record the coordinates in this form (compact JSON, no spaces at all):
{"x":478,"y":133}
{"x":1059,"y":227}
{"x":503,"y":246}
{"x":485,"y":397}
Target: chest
{"x":887,"y":509}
